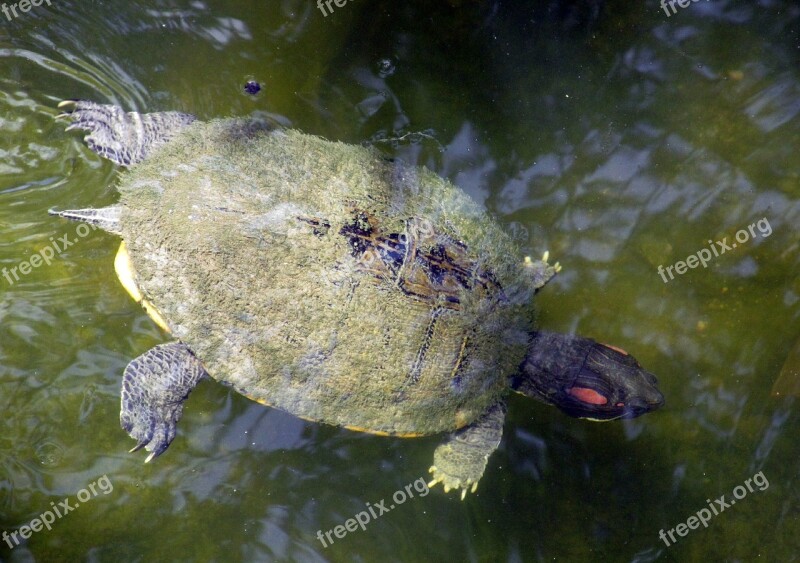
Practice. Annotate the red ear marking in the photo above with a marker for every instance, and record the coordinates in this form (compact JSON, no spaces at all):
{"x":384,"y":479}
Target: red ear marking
{"x":589,"y":396}
{"x":620,"y":404}
{"x":620,"y":350}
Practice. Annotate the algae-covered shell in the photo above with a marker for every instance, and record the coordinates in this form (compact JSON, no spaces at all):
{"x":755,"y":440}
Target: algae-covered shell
{"x":326,"y":280}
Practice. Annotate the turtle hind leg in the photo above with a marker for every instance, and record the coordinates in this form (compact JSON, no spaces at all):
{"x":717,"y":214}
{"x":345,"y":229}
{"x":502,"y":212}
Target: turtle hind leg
{"x":154,"y":387}
{"x":461,"y":460}
{"x":122,"y":137}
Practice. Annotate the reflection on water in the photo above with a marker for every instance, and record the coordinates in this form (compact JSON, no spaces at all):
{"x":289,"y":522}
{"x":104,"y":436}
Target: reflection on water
{"x":616,"y":137}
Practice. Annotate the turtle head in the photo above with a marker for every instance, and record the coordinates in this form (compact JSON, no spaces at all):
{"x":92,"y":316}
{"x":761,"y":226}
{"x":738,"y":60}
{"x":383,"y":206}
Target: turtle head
{"x":586,"y":379}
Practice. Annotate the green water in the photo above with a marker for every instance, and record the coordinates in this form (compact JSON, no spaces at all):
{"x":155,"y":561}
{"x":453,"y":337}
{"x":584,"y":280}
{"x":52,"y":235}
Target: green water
{"x":617,"y":137}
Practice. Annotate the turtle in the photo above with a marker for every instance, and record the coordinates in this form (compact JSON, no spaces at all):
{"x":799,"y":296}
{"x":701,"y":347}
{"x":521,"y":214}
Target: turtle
{"x":335,"y":283}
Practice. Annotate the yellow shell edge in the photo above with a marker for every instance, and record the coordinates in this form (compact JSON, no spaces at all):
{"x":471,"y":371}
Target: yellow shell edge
{"x":125,"y":273}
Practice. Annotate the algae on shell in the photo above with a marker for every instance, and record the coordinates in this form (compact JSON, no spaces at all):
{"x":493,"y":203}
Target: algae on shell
{"x":238,"y":235}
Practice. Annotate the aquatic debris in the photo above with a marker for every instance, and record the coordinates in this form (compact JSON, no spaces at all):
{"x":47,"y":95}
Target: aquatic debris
{"x":252,"y":87}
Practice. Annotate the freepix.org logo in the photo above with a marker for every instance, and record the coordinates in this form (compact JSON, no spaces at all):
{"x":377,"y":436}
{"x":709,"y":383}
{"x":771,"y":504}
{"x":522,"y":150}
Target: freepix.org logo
{"x":671,"y":5}
{"x":363,"y":518}
{"x":716,"y":249}
{"x":322,"y":4}
{"x":45,"y":254}
{"x":10,"y":10}
{"x":47,"y":518}
{"x":704,"y":515}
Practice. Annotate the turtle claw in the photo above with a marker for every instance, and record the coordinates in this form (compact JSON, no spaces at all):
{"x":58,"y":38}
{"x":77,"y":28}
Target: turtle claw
{"x":472,"y":490}
{"x":540,"y":270}
{"x":432,"y":482}
{"x":69,"y":107}
{"x":137,"y":447}
{"x":546,"y":257}
{"x":450,"y":482}
{"x":152,"y":427}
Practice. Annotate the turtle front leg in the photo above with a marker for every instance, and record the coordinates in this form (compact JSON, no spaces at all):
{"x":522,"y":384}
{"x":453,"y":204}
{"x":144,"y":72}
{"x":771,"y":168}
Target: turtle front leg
{"x":154,"y":387}
{"x":461,"y":460}
{"x":540,"y":271}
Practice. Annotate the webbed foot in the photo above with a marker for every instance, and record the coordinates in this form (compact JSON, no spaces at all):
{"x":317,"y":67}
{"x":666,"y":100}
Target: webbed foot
{"x":540,"y":271}
{"x":461,"y":460}
{"x":122,"y":137}
{"x":154,"y":387}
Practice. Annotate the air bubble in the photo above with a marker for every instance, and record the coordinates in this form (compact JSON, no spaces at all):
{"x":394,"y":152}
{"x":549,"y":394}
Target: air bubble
{"x":385,"y":68}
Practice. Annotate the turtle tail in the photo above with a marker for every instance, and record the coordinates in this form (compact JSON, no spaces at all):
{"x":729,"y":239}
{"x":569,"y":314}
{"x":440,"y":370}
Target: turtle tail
{"x":107,"y":218}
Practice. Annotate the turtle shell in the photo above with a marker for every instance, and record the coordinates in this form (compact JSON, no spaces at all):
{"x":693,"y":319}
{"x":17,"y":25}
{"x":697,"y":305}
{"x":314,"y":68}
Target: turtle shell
{"x":326,"y":280}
